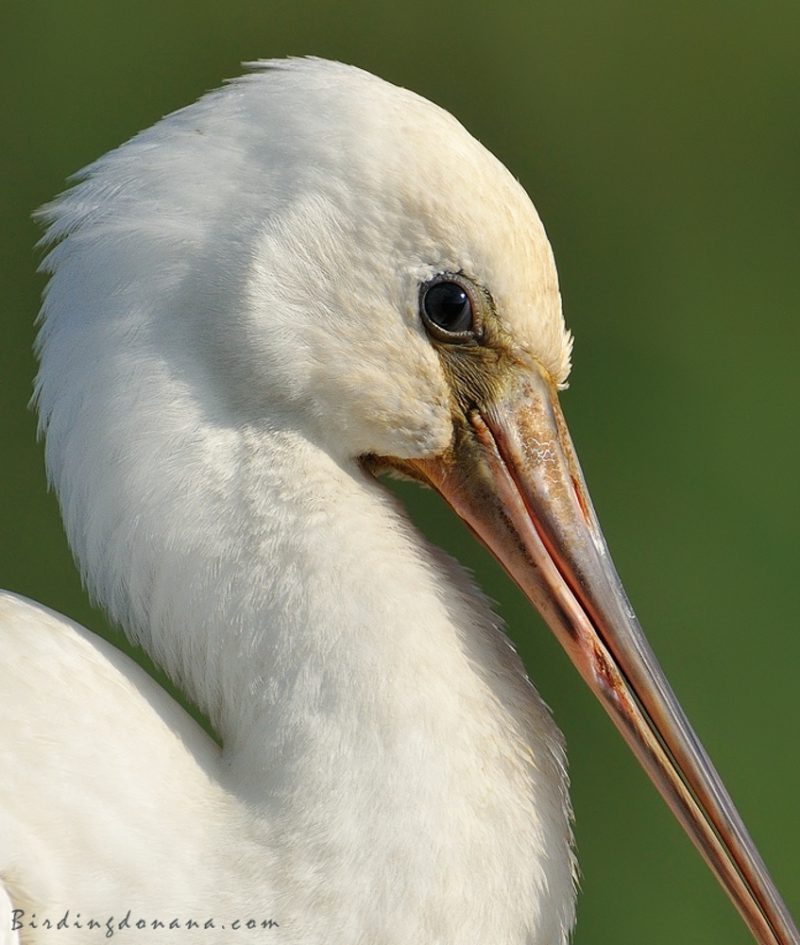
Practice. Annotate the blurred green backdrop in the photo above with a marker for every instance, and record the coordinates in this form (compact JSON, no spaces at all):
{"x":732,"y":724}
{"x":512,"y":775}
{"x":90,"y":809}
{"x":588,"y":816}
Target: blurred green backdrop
{"x":661,"y":144}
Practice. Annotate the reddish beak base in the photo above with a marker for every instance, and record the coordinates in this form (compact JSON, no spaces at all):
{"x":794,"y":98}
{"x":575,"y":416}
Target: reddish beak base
{"x":513,"y":477}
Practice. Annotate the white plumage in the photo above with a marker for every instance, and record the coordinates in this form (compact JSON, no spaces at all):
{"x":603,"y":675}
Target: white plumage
{"x":230,"y":322}
{"x":306,"y":277}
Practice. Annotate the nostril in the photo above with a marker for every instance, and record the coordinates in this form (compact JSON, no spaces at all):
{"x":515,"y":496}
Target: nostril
{"x":581,"y":501}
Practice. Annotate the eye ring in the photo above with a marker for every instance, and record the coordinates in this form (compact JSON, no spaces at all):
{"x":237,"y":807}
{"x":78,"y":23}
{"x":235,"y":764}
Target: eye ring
{"x":448,"y":308}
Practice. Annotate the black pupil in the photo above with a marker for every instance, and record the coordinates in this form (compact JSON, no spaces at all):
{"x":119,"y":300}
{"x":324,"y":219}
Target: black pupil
{"x":448,"y":306}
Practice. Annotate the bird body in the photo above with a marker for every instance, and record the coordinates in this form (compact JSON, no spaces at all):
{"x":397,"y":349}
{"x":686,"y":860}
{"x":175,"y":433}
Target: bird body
{"x":305,"y":278}
{"x":387,"y":772}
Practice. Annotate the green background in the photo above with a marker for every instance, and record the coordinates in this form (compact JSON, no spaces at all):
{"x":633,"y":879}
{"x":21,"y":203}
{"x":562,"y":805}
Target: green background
{"x":661,"y":144}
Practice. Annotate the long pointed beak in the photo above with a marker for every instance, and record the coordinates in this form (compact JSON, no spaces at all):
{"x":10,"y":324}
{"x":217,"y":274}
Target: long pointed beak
{"x":513,"y":476}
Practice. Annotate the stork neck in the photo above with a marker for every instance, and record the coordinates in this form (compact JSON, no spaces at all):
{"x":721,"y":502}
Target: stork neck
{"x":368,"y":700}
{"x":365,"y":696}
{"x":313,"y":607}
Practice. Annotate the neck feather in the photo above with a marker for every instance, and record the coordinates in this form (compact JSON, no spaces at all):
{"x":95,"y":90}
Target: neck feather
{"x":363,"y":690}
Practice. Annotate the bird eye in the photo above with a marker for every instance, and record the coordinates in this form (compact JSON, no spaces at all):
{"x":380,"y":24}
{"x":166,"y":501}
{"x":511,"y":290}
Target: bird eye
{"x":447,"y":311}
